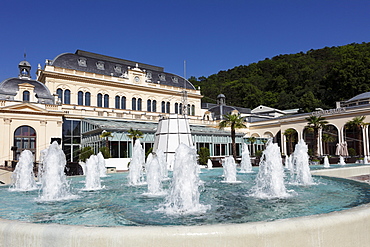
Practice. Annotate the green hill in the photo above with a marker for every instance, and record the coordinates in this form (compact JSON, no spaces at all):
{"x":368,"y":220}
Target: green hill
{"x":317,"y":78}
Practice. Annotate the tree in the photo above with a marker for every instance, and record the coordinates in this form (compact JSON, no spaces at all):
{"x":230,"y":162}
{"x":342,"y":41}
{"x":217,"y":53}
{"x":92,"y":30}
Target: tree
{"x":105,"y":134}
{"x":234,"y":121}
{"x":326,"y":138}
{"x":291,"y":136}
{"x":357,"y":123}
{"x":314,"y":124}
{"x":252,"y":140}
{"x":134,"y":134}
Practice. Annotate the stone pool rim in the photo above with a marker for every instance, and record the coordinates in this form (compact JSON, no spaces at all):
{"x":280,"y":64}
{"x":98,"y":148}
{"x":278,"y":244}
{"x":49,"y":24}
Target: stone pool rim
{"x":341,"y":228}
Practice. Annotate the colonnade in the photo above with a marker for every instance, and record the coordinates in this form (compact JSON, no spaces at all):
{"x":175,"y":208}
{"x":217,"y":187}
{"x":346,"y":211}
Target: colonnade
{"x":320,"y":146}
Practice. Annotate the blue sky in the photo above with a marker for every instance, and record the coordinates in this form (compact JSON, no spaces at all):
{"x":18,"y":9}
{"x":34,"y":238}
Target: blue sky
{"x":211,"y":35}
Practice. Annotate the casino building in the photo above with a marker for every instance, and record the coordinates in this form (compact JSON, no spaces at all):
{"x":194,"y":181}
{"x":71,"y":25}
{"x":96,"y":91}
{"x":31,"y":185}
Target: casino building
{"x":77,"y":96}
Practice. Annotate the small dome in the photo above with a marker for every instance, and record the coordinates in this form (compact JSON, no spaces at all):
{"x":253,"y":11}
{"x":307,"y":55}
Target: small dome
{"x":9,"y":88}
{"x":221,"y":96}
{"x":24,"y":63}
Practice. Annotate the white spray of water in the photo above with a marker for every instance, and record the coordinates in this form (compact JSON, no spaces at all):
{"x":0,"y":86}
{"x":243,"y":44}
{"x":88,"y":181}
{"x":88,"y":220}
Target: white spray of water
{"x":326,"y":162}
{"x":270,"y":178}
{"x":184,"y":192}
{"x":101,"y":165}
{"x":23,"y":178}
{"x":54,"y":184}
{"x":289,"y":163}
{"x":341,"y":161}
{"x":154,"y":176}
{"x":209,"y":164}
{"x":229,"y":169}
{"x":163,"y":163}
{"x":40,"y":168}
{"x":136,"y":173}
{"x":92,"y":180}
{"x":302,"y":173}
{"x":245,"y":165}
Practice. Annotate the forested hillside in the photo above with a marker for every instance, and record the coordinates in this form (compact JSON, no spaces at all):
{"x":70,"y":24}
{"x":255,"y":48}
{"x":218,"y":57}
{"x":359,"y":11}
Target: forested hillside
{"x":317,"y":78}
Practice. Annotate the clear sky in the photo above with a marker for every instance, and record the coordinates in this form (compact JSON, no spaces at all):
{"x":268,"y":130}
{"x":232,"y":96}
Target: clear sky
{"x":211,"y":35}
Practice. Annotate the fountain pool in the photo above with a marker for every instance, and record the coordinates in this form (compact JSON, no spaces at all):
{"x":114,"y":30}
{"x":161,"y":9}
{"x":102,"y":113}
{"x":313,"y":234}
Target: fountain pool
{"x":119,"y":204}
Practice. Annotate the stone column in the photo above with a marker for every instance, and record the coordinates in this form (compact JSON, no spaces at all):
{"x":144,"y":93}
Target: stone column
{"x":319,"y":143}
{"x":365,"y":138}
{"x":283,"y":143}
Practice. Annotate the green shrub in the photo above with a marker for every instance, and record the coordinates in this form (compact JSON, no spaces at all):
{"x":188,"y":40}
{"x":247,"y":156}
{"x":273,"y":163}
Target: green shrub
{"x":105,"y":152}
{"x":258,"y":153}
{"x":203,"y":156}
{"x":352,"y":152}
{"x":85,"y":153}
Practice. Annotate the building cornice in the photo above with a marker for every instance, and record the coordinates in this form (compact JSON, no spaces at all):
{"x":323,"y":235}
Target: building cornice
{"x":118,"y":83}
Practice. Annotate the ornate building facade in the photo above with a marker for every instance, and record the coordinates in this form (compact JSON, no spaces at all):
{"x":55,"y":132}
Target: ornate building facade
{"x":77,"y":96}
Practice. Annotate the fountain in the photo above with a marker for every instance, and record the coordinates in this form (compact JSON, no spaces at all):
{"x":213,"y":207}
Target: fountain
{"x":23,"y":178}
{"x":270,"y":177}
{"x":209,"y":164}
{"x":301,"y":174}
{"x":163,"y":164}
{"x":136,"y":173}
{"x":200,"y":209}
{"x":326,"y":162}
{"x":54,"y":184}
{"x":245,"y":165}
{"x":101,"y":162}
{"x":154,"y":176}
{"x":92,"y":181}
{"x":184,"y":193}
{"x":229,"y":170}
{"x":341,"y":161}
{"x":289,"y":163}
{"x":40,"y":167}
{"x":366,"y":159}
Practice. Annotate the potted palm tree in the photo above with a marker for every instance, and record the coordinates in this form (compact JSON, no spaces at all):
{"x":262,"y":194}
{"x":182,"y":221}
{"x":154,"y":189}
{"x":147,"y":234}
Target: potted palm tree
{"x":315,"y":123}
{"x":234,"y":121}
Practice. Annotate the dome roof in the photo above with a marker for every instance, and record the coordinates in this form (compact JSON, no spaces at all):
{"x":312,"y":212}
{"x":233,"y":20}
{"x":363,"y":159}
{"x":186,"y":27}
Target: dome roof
{"x":360,"y":97}
{"x":219,"y":110}
{"x":105,"y":65}
{"x":9,"y":88}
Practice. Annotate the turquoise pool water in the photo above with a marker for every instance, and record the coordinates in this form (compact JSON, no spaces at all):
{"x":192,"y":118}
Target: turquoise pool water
{"x":121,"y":205}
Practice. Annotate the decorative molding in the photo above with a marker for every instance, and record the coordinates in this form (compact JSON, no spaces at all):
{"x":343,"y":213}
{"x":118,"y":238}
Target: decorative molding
{"x":7,"y":121}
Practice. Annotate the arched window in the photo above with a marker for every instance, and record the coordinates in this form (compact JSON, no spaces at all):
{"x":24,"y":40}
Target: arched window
{"x":24,"y":138}
{"x":117,"y":102}
{"x":123,"y":102}
{"x":139,"y":104}
{"x":163,"y":107}
{"x":100,"y":100}
{"x":193,"y":110}
{"x":60,"y":95}
{"x":154,"y":106}
{"x":176,"y":108}
{"x":133,"y":104}
{"x":106,"y":100}
{"x":180,"y":108}
{"x":67,"y":96}
{"x":80,"y":98}
{"x":188,"y":109}
{"x":149,"y":105}
{"x":26,"y":96}
{"x":168,"y":107}
{"x":87,"y":99}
